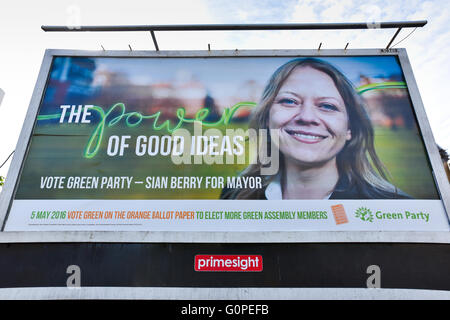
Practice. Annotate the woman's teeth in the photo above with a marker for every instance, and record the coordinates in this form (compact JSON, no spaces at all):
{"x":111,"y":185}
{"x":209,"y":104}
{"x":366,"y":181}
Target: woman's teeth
{"x":307,"y":136}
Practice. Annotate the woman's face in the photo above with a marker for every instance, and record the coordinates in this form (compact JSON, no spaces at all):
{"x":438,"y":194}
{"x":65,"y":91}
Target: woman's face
{"x":310,"y":116}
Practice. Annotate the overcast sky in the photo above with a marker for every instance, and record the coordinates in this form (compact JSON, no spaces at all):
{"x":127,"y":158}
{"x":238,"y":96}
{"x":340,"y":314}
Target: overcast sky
{"x":22,"y":42}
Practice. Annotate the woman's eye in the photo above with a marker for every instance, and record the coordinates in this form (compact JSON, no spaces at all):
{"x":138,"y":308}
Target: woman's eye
{"x":329,"y":107}
{"x":287,"y":101}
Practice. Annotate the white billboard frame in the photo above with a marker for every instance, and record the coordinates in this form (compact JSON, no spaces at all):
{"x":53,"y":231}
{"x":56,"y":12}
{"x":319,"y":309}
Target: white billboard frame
{"x":6,"y":196}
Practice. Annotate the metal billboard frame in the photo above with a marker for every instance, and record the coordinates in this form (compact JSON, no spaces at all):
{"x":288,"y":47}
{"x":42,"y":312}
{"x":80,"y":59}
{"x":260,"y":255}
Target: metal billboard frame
{"x":6,"y":196}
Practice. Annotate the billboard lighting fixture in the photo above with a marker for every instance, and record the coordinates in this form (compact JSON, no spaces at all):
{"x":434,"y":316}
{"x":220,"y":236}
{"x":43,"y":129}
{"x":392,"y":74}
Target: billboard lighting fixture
{"x":154,"y":40}
{"x":399,"y":25}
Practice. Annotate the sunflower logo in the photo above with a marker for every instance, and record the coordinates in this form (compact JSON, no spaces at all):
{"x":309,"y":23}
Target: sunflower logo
{"x":364,"y":214}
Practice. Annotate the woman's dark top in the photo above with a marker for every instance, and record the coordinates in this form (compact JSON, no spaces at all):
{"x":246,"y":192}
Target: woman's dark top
{"x":343,"y":190}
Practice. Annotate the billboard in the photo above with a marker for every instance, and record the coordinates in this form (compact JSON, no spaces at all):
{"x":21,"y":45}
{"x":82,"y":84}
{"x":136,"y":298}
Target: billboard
{"x":226,"y":143}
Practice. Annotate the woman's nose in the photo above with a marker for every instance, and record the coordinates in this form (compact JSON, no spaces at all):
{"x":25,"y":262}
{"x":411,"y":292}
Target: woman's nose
{"x":307,"y":114}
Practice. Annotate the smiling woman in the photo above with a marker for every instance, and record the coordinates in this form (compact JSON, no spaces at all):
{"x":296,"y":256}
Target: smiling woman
{"x":324,"y":136}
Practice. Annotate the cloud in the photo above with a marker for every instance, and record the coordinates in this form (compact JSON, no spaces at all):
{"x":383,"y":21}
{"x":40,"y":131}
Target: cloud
{"x":304,"y":11}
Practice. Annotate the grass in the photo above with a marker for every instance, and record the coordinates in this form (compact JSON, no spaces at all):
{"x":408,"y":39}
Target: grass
{"x":403,"y":153}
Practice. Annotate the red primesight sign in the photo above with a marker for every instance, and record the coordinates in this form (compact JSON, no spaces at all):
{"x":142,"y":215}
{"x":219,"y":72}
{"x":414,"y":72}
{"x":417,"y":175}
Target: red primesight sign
{"x":233,"y":263}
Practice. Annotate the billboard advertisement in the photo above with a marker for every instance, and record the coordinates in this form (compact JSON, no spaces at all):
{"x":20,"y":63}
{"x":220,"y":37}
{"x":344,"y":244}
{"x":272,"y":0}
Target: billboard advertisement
{"x":263,"y":143}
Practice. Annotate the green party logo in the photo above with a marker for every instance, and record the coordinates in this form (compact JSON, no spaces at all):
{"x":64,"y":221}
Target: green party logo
{"x":364,"y":214}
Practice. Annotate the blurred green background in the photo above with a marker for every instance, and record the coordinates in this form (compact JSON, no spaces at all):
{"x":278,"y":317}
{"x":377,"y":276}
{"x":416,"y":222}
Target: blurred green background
{"x":57,"y":150}
{"x":156,"y":86}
